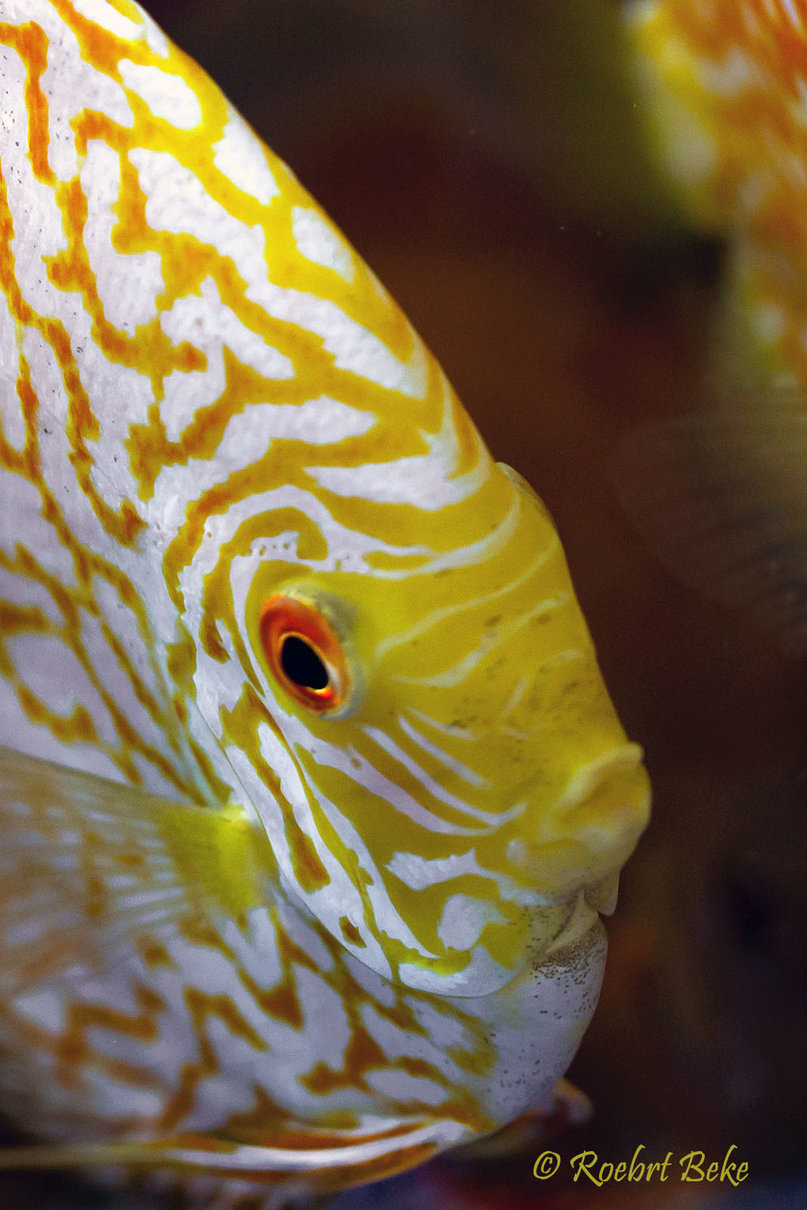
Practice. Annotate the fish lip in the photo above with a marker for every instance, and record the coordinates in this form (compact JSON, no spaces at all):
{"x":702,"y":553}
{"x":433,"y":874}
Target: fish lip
{"x":582,"y":918}
{"x":544,"y":948}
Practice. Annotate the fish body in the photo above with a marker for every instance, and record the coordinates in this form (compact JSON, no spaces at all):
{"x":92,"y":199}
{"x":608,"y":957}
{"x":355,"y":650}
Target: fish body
{"x":720,"y":492}
{"x":311,"y":789}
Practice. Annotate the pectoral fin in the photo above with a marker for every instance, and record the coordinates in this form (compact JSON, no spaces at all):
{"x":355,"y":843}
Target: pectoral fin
{"x":87,"y":865}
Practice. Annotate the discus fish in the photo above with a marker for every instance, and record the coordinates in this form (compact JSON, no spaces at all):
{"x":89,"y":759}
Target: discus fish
{"x":312,"y":790}
{"x":721,"y":492}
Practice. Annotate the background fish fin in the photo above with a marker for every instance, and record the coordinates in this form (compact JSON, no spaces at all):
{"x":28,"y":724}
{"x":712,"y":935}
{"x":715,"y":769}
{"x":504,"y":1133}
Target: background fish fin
{"x":721,"y":497}
{"x":87,"y":865}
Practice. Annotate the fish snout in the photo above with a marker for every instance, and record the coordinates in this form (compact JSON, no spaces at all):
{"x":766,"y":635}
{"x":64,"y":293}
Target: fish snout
{"x":582,"y":837}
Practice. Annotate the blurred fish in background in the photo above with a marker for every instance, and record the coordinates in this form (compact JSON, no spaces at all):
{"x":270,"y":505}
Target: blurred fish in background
{"x":492,"y":164}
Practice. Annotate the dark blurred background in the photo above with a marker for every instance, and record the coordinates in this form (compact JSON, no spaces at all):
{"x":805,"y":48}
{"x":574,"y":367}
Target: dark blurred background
{"x":488,"y":162}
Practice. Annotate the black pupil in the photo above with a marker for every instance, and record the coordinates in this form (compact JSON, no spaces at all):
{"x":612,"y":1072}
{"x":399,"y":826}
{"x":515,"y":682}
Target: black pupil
{"x":302,"y":665}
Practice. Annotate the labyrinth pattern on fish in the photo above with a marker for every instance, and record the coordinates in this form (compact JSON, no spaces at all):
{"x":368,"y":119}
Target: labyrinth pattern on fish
{"x":209,"y":404}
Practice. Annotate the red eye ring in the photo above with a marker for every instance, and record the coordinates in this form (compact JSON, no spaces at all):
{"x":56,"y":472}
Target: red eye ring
{"x":304,"y":654}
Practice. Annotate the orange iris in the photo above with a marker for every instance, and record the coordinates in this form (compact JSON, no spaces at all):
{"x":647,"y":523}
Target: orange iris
{"x":304,"y":654}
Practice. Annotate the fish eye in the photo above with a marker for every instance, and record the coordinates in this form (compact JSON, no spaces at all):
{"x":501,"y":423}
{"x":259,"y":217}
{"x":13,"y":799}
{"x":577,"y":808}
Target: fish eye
{"x":302,"y":664}
{"x":304,"y":654}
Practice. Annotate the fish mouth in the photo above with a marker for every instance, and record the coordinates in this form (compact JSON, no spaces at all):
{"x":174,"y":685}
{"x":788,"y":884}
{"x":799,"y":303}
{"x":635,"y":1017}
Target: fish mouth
{"x":554,"y":932}
{"x":602,"y":896}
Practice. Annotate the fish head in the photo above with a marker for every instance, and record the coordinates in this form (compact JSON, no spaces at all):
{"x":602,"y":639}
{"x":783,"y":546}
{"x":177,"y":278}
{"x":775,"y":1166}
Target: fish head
{"x":423,"y":728}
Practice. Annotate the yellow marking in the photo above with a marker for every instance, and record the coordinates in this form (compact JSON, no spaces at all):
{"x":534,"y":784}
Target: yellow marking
{"x":220,"y":854}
